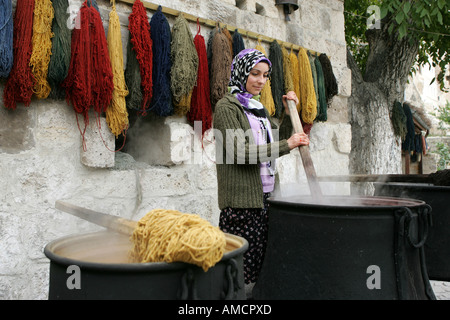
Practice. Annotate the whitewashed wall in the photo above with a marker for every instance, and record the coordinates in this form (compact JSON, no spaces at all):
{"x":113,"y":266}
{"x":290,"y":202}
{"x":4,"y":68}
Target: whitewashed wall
{"x":42,"y":159}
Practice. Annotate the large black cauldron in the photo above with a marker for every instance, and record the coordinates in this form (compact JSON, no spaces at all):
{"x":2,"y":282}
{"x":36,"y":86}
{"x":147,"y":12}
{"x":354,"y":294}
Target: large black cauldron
{"x":345,"y":248}
{"x":99,"y":260}
{"x":437,"y":247}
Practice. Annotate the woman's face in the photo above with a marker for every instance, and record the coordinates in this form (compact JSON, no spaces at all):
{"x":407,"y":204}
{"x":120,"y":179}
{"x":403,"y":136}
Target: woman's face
{"x":257,"y":78}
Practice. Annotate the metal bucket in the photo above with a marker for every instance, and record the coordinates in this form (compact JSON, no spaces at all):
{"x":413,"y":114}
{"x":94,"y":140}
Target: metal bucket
{"x":94,"y":266}
{"x":345,"y":248}
{"x":437,"y":247}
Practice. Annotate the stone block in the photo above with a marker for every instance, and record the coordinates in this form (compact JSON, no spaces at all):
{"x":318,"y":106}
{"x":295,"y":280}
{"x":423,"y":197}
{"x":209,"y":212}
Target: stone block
{"x":98,"y":144}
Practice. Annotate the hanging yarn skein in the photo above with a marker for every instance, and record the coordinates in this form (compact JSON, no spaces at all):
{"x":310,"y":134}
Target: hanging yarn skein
{"x":172,"y":236}
{"x":266,"y":98}
{"x":42,"y":46}
{"x":314,"y":76}
{"x":399,"y":120}
{"x":6,"y":38}
{"x":308,"y":100}
{"x":201,"y":102}
{"x":184,"y":69}
{"x":139,"y":28}
{"x":287,"y":71}
{"x":60,"y":57}
{"x":89,"y":82}
{"x":161,"y":103}
{"x":408,"y":142}
{"x":230,"y":39}
{"x":133,"y":79}
{"x":19,"y":85}
{"x":238,"y":43}
{"x":220,"y":67}
{"x":212,"y":33}
{"x":277,"y":77}
{"x":295,"y":76}
{"x":331,"y":87}
{"x":116,"y":113}
{"x":322,"y":112}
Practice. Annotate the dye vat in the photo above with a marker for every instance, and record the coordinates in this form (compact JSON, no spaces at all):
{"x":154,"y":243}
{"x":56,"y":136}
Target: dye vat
{"x":95,"y":266}
{"x":437,"y":247}
{"x":344,"y":248}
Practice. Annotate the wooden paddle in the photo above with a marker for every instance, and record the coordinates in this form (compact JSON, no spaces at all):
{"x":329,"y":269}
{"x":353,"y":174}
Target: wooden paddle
{"x":308,"y":165}
{"x":117,"y":224}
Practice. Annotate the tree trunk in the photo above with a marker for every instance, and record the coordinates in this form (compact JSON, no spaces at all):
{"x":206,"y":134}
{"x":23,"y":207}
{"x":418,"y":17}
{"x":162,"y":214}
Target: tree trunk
{"x":375,"y":148}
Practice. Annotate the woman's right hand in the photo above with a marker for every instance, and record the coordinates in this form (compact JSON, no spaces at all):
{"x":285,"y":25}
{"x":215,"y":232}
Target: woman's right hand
{"x":298,"y":139}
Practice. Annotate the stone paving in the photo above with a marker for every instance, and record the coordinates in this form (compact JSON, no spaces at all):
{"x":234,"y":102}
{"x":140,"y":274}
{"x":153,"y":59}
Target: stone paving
{"x":441,"y":289}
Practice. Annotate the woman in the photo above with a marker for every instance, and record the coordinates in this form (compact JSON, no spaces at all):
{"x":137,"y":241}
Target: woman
{"x":247,"y":143}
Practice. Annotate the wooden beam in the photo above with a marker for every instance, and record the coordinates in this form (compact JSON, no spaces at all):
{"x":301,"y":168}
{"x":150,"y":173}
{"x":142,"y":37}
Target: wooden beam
{"x":211,"y":23}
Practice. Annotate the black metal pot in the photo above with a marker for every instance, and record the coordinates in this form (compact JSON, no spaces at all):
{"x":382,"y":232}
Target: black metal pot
{"x":94,"y":266}
{"x":345,"y":248}
{"x":437,"y":247}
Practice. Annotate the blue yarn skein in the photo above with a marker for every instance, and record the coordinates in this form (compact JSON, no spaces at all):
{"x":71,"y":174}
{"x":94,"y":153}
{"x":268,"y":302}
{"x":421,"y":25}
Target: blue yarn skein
{"x":6,"y":38}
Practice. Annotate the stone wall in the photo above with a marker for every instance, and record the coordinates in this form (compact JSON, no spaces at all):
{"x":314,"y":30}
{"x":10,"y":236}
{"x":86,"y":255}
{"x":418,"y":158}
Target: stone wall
{"x":43,"y":157}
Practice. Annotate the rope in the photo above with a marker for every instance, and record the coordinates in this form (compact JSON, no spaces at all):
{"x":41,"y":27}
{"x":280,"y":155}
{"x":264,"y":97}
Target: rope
{"x":116,"y":113}
{"x":6,"y":38}
{"x":172,"y":236}
{"x":19,"y":85}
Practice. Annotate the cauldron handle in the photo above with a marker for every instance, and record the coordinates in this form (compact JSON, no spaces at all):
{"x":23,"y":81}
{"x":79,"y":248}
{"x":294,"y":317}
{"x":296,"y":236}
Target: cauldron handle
{"x":424,"y":217}
{"x":231,"y":273}
{"x":188,"y":284}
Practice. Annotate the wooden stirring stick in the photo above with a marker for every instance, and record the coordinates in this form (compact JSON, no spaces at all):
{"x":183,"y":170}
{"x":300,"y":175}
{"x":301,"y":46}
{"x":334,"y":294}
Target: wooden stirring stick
{"x":308,"y":165}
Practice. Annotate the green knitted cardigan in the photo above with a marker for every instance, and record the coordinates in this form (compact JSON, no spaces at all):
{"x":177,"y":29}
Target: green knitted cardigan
{"x":238,"y":173}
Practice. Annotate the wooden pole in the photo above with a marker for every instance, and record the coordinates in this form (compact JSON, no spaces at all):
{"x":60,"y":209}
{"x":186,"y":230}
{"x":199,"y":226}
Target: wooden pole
{"x":308,"y":165}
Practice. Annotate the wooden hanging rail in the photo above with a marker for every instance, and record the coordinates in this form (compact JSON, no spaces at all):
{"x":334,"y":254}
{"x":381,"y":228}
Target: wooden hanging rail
{"x":212,"y":23}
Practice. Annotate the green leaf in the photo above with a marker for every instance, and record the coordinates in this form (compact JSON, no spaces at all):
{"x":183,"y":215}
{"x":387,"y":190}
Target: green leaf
{"x":440,"y":18}
{"x":406,"y":8}
{"x":402,"y":30}
{"x":399,"y":17}
{"x":441,"y":4}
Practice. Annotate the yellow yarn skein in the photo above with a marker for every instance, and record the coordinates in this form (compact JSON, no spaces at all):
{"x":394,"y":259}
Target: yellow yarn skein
{"x":116,"y":113}
{"x":266,"y":93}
{"x":295,"y":76}
{"x":42,"y":46}
{"x":308,"y":100}
{"x":170,"y":235}
{"x":287,"y":71}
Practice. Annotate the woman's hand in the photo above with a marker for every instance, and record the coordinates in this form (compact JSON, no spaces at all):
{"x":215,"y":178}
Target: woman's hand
{"x":298,"y":139}
{"x":289,"y":96}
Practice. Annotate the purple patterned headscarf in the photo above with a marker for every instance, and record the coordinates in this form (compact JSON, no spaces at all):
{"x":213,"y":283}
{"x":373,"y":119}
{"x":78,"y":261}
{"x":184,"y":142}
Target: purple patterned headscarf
{"x":242,"y":64}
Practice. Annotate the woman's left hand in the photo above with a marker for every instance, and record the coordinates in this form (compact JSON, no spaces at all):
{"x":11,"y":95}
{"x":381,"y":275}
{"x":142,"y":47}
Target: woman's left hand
{"x":289,"y":96}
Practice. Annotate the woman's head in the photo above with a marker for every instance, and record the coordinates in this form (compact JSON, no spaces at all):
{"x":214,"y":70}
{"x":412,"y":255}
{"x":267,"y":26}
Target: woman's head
{"x":249,"y":71}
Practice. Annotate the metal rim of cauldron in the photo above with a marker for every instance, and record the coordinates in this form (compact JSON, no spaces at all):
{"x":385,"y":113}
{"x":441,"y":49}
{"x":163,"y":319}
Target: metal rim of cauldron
{"x":126,"y":267}
{"x":294,"y":201}
{"x":426,"y":186}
